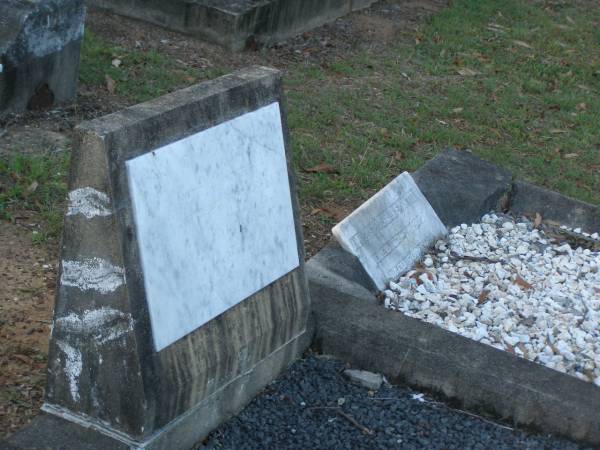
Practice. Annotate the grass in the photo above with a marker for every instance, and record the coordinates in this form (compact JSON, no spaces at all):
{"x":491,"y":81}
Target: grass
{"x":38,"y":183}
{"x":137,"y":75}
{"x":517,"y":83}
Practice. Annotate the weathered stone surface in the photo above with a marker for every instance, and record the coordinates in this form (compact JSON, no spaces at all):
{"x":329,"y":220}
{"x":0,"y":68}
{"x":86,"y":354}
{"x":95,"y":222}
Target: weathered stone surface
{"x":391,"y":231}
{"x":365,"y":378}
{"x":461,"y":187}
{"x":104,"y":367}
{"x":529,"y":199}
{"x":236,"y":23}
{"x":39,"y":52}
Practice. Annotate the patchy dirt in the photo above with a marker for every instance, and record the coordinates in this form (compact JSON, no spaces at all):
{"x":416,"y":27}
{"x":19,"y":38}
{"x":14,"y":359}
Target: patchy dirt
{"x":26,"y":304}
{"x":28,"y":271}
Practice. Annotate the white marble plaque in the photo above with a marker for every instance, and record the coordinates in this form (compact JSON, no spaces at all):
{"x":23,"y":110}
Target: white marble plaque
{"x":391,"y":231}
{"x":214,"y":221}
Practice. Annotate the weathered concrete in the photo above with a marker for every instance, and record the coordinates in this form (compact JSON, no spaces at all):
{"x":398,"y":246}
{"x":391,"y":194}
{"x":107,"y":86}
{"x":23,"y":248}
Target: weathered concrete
{"x":461,"y":187}
{"x":104,"y":371}
{"x":40,"y":42}
{"x":236,"y":24}
{"x":529,"y":199}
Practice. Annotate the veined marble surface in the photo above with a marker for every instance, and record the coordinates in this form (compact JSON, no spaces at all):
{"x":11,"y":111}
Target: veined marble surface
{"x":214,"y":221}
{"x":391,"y":231}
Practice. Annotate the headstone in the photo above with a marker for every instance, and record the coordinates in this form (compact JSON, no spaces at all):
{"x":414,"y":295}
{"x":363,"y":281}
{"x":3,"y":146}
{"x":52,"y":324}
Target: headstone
{"x":182,"y":290}
{"x":390,"y":232}
{"x":40,"y":42}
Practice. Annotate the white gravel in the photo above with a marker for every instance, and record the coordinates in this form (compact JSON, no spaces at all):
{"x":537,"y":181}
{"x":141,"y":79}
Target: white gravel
{"x":506,"y":284}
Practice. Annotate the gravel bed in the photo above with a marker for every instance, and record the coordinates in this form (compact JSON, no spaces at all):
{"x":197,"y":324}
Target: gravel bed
{"x":313,"y":406}
{"x":509,"y":284}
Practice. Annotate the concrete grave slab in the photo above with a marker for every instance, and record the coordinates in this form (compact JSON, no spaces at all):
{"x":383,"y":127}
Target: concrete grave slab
{"x":461,"y":187}
{"x":390,"y":231}
{"x":477,"y":376}
{"x":236,"y":24}
{"x":161,"y":194}
{"x":40,"y":42}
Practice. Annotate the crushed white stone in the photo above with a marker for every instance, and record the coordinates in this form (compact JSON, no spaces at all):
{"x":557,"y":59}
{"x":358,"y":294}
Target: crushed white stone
{"x":506,"y":284}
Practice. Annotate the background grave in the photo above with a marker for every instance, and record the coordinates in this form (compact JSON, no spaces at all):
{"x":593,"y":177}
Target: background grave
{"x":236,"y":24}
{"x":152,"y":378}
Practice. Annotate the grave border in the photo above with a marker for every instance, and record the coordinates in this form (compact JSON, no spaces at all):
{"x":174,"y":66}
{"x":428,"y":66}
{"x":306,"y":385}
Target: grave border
{"x":407,"y":350}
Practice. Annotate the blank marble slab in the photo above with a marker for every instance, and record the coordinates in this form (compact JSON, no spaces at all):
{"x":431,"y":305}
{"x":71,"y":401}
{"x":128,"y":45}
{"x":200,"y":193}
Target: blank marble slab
{"x":214,"y":221}
{"x":391,"y":231}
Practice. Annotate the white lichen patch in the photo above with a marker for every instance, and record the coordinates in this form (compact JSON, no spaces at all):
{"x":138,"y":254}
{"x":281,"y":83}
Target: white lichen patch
{"x":515,"y":287}
{"x":94,"y":274}
{"x":73,"y":367}
{"x":88,"y":202}
{"x":103,"y":324}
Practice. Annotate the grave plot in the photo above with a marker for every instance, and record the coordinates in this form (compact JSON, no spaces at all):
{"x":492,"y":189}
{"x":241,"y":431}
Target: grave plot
{"x":502,"y":314}
{"x":505,"y":283}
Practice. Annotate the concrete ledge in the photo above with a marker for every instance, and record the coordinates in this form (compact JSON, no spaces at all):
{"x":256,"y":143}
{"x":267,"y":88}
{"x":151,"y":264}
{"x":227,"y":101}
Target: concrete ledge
{"x":529,"y":199}
{"x":235,"y":23}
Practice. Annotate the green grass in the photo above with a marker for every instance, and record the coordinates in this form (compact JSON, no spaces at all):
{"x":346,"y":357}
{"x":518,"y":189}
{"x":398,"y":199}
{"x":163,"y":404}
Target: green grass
{"x":518,"y":83}
{"x":36,"y":183}
{"x":140,"y":75}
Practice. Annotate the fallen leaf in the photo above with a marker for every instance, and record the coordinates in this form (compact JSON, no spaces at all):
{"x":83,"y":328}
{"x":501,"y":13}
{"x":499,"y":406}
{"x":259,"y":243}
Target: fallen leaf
{"x":483,"y":297}
{"x":521,"y":347}
{"x":571,"y":155}
{"x":457,"y":110}
{"x":23,"y":358}
{"x":571,"y":21}
{"x":322,"y":168}
{"x":466,"y":72}
{"x":521,"y":282}
{"x":510,"y":349}
{"x":398,"y":156}
{"x":110,"y":84}
{"x":581,"y":107}
{"x":33,"y":186}
{"x":116,"y":62}
{"x":522,"y":44}
{"x":538,"y":220}
{"x":557,"y":131}
{"x":331,"y":211}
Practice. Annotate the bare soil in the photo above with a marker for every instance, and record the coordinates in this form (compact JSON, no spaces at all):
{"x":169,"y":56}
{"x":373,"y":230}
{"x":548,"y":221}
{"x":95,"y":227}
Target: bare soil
{"x":28,"y":271}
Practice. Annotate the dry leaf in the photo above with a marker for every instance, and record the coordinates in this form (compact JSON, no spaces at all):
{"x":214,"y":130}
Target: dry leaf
{"x":483,"y":297}
{"x":23,"y":358}
{"x":116,"y":62}
{"x":521,"y":282}
{"x":510,"y":349}
{"x":457,"y":110}
{"x":331,"y":211}
{"x":571,"y":155}
{"x":581,"y":107}
{"x":33,"y":186}
{"x":110,"y":84}
{"x":571,"y":21}
{"x":522,"y":44}
{"x":557,"y":131}
{"x":466,"y":72}
{"x":322,"y":168}
{"x":538,"y":220}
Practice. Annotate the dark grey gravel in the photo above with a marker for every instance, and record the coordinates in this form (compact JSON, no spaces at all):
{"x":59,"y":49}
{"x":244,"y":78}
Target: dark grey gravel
{"x":312,"y":406}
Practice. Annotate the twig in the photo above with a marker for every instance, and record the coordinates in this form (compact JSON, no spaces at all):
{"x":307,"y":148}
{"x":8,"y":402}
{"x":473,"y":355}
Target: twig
{"x":456,"y":256}
{"x":467,"y":413}
{"x":353,"y":421}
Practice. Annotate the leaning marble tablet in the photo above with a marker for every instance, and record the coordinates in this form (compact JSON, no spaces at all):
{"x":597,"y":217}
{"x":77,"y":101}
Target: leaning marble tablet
{"x":213,"y":219}
{"x":391,"y":231}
